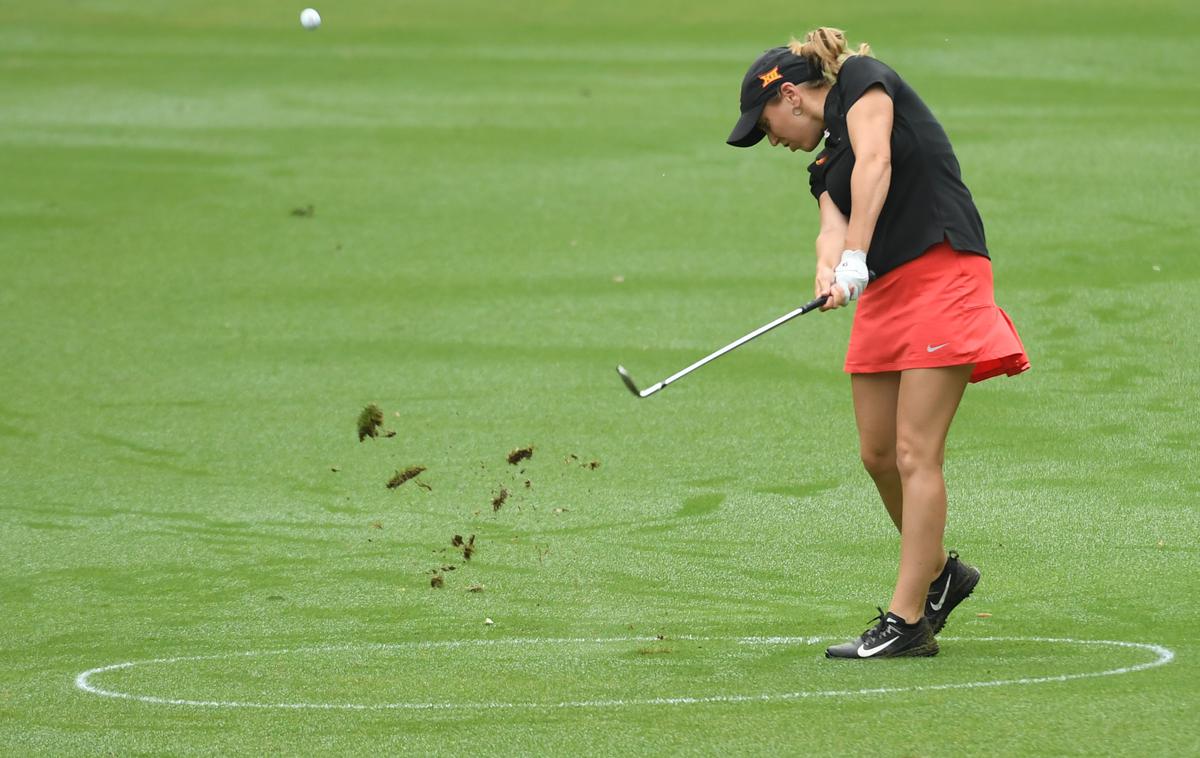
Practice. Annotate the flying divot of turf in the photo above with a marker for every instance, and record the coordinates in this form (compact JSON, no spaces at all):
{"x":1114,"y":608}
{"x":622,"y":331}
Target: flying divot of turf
{"x":400,"y":477}
{"x":498,"y":500}
{"x":520,"y":454}
{"x":370,"y":423}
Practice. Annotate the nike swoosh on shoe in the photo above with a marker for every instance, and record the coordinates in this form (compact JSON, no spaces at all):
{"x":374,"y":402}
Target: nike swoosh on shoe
{"x":945,"y":591}
{"x":865,"y":652}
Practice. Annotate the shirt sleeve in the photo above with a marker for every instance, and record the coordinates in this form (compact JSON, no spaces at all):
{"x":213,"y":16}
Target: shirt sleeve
{"x":816,"y":177}
{"x":817,"y":169}
{"x":859,"y":74}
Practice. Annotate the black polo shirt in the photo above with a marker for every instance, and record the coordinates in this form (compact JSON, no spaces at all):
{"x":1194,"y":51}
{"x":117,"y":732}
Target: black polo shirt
{"x":927,"y":201}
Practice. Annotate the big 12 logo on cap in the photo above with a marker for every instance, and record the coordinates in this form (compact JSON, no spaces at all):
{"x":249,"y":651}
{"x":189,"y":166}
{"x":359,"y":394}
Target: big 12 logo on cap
{"x":770,"y":76}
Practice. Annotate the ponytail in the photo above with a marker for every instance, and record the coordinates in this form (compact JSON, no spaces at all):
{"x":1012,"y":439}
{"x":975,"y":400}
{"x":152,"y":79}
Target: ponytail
{"x":826,"y":48}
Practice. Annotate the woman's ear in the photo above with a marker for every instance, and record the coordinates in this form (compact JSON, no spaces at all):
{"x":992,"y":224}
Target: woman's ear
{"x":790,"y":93}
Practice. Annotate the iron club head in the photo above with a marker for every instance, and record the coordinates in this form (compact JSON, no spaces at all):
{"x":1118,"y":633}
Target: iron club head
{"x":625,"y":377}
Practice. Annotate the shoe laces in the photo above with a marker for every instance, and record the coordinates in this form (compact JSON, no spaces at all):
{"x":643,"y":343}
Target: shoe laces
{"x":880,"y":627}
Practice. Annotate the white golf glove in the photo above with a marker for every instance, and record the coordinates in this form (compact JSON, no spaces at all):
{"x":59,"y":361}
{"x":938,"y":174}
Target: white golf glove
{"x":851,"y":274}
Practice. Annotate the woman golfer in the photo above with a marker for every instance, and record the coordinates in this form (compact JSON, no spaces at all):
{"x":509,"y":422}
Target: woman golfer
{"x":900,"y":234}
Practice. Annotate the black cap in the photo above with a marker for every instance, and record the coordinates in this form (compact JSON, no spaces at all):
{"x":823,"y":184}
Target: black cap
{"x":762,"y":82}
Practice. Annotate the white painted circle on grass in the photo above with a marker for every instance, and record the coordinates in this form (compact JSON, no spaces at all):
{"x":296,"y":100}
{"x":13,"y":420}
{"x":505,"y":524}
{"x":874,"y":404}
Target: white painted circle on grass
{"x":1162,"y":656}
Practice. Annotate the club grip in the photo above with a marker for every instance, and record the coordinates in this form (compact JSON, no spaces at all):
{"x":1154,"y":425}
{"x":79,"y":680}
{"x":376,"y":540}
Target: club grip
{"x":821,"y":300}
{"x":813,"y":304}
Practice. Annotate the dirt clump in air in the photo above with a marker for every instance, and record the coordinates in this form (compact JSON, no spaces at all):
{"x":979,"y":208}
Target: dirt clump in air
{"x":370,"y":423}
{"x":400,"y":477}
{"x":499,"y":500}
{"x":520,"y":454}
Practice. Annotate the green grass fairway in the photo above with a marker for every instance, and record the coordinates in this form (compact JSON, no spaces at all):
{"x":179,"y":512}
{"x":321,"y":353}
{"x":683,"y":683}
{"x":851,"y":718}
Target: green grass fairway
{"x":223,"y":236}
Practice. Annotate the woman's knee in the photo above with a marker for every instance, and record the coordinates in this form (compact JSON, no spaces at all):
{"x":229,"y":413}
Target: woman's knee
{"x":879,"y":461}
{"x":914,"y":458}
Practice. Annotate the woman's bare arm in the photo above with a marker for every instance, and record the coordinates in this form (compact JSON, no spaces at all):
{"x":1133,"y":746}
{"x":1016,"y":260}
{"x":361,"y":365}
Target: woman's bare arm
{"x":870,"y":123}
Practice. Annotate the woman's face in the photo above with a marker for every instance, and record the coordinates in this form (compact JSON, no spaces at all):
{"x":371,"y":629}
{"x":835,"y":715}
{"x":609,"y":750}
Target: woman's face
{"x":784,"y":127}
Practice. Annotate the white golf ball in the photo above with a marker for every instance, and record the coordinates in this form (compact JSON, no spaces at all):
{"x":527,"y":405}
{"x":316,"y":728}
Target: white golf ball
{"x":309,"y":18}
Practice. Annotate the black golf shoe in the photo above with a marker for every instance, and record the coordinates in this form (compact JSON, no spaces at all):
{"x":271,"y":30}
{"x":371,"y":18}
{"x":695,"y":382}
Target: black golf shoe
{"x":890,"y":638}
{"x":952,"y":586}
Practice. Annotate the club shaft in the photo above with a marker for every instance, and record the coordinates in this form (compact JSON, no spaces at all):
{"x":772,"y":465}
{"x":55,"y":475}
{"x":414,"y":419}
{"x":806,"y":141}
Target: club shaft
{"x":741,"y":341}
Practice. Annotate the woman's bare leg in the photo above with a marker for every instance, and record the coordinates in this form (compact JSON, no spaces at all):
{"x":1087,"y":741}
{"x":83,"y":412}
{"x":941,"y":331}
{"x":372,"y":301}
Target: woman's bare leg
{"x":875,"y":400}
{"x":927,"y":401}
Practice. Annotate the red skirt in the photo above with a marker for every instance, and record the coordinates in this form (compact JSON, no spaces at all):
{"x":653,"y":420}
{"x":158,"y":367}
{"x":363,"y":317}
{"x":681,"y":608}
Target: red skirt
{"x":936,"y":310}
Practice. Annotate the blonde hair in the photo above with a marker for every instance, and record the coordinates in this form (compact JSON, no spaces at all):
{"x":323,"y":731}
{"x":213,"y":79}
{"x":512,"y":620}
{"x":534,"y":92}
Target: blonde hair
{"x":826,"y":47}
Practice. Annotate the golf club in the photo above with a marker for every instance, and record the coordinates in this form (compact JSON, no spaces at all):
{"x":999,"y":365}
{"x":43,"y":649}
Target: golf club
{"x":625,"y":377}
